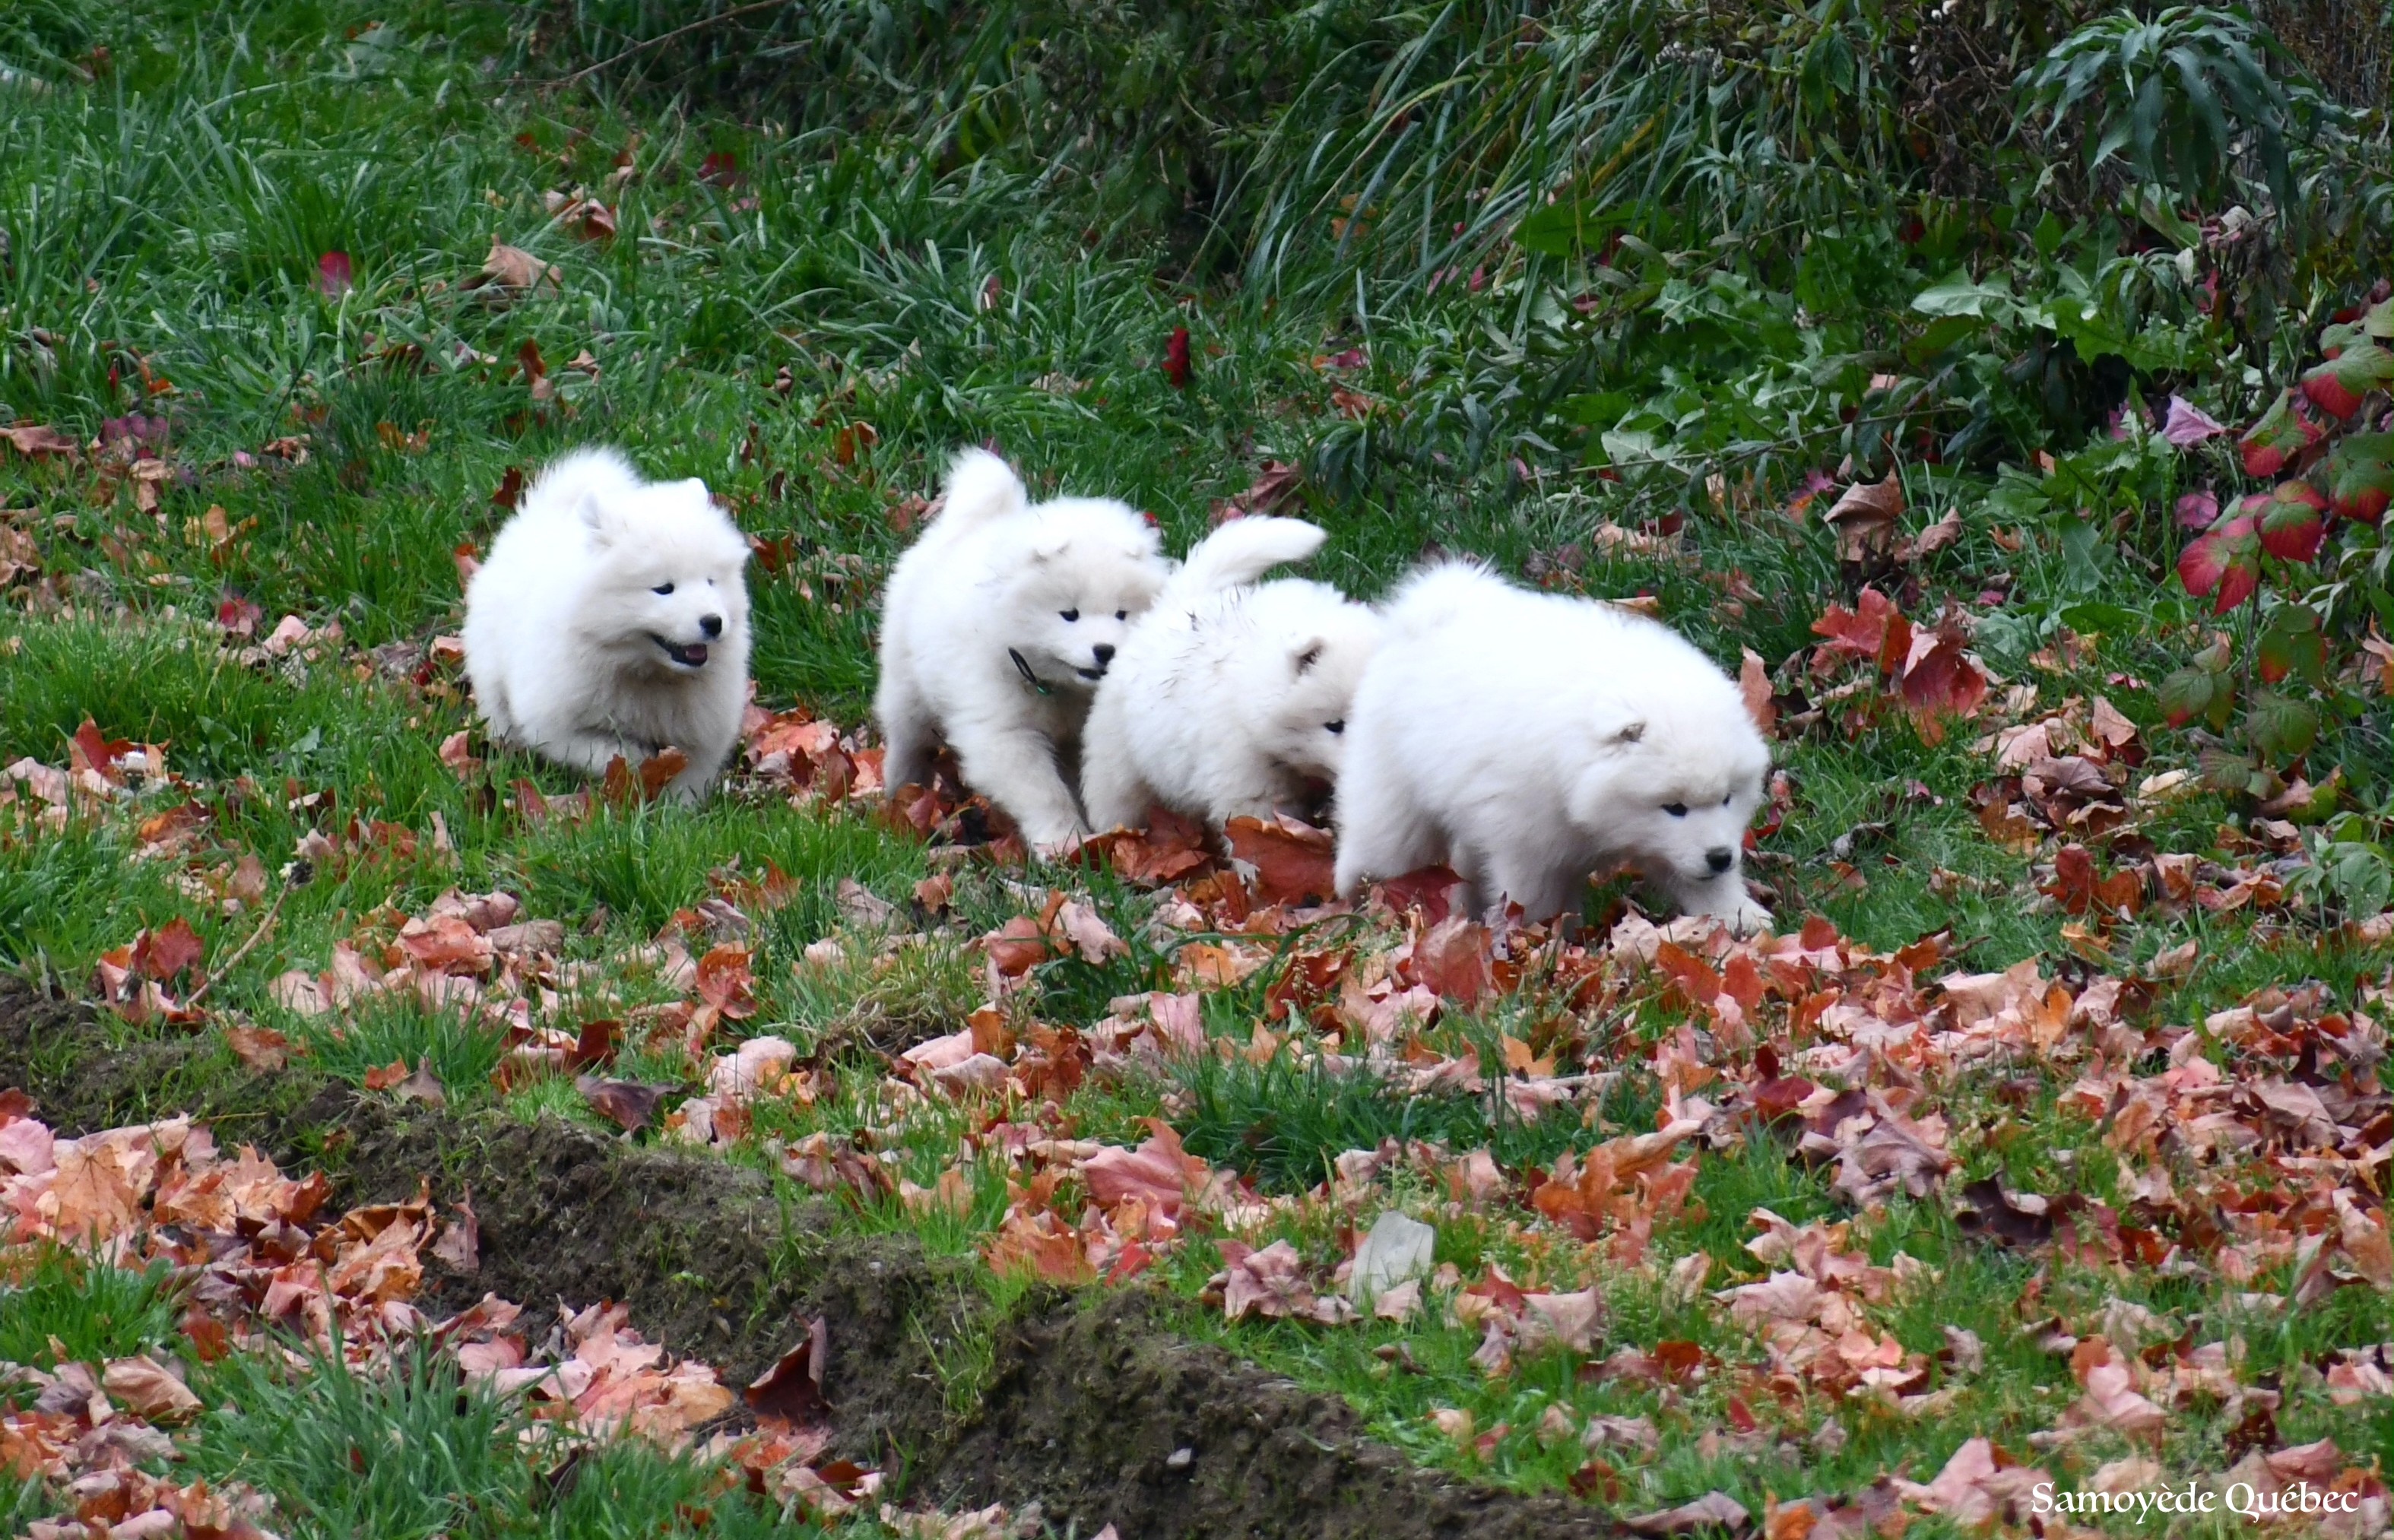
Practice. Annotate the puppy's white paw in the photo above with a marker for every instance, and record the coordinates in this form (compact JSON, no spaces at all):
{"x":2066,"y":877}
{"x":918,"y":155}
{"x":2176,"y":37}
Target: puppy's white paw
{"x":1746,"y":917}
{"x":1059,"y":847}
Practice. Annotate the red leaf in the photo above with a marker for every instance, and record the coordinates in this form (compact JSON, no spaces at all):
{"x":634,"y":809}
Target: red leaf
{"x":1170,"y":848}
{"x":791,"y":1391}
{"x":1294,"y":860}
{"x":594,"y":1043}
{"x":2282,"y":433}
{"x":511,"y":487}
{"x":1941,"y":679}
{"x":2358,"y":487}
{"x":2224,"y":565}
{"x":1430,"y":889}
{"x":2292,"y":521}
{"x":88,"y":750}
{"x":1456,"y":959}
{"x":721,"y":168}
{"x":173,"y":948}
{"x":238,"y":616}
{"x":2198,"y":511}
{"x":627,"y":1103}
{"x":1018,"y":946}
{"x":1175,"y":358}
{"x":332,"y":275}
{"x":1874,"y":629}
{"x":725,"y":982}
{"x":2338,"y":385}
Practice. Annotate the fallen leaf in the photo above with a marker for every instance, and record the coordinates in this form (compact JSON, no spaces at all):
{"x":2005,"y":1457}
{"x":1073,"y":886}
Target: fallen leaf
{"x":148,"y":1388}
{"x":1864,"y":518}
{"x":460,"y":1245}
{"x":791,"y":1391}
{"x":1399,"y":1249}
{"x":1294,"y":863}
{"x":1754,"y":684}
{"x":33,"y":441}
{"x":263,"y":1049}
{"x":423,"y":1086}
{"x":627,"y":1103}
{"x":510,"y":271}
{"x":1713,"y":1510}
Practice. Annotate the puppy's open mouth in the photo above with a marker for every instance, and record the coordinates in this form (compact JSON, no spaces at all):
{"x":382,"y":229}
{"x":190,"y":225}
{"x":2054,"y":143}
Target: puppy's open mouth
{"x":691,"y":656}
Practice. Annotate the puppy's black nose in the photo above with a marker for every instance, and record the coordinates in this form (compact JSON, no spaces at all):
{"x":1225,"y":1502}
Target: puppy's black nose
{"x":1720,"y":860}
{"x":1105,"y":651}
{"x":711,"y":625}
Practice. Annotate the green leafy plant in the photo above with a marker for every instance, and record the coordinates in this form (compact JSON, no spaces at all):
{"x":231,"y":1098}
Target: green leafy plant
{"x":2181,"y":97}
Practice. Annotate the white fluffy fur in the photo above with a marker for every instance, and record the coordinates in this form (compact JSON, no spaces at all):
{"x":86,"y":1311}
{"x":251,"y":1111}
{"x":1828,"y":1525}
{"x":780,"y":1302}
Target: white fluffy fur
{"x":1227,"y":698}
{"x":1525,"y":739}
{"x":573,"y":651}
{"x":982,"y":598}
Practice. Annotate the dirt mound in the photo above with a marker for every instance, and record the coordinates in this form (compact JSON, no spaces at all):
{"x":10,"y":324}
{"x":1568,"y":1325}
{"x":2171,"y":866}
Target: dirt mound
{"x":1104,"y":1414}
{"x":1085,"y":1405}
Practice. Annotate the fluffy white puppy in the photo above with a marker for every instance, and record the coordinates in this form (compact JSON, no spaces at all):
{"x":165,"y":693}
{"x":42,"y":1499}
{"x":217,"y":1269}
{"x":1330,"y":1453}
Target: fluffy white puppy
{"x":1227,"y":698}
{"x":997,"y":626}
{"x":1525,"y":739}
{"x":613,"y":618}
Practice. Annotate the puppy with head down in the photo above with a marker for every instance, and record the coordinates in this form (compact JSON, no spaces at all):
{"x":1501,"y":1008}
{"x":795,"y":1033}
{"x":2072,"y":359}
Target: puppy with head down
{"x":1527,"y":739}
{"x":997,"y":629}
{"x":1229,"y":698}
{"x":611,"y":618}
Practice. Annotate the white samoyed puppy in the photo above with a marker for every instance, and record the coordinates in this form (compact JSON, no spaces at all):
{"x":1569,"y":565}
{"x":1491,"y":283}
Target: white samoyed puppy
{"x":1227,"y":698}
{"x":1525,"y":739}
{"x":997,"y":629}
{"x":611,"y":618}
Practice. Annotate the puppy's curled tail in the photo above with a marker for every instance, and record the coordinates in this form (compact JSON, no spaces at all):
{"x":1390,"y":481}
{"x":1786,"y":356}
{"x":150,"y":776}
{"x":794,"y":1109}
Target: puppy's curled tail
{"x":981,"y":487}
{"x":1241,"y":551}
{"x":1436,"y":593}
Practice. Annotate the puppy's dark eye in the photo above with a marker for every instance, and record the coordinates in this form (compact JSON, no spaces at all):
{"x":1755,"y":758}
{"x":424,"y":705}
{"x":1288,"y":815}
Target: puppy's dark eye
{"x":1070,"y":614}
{"x":662,"y":588}
{"x":1724,"y":797}
{"x":1339,"y":726}
{"x":1676,"y":810}
{"x":1122,"y":615}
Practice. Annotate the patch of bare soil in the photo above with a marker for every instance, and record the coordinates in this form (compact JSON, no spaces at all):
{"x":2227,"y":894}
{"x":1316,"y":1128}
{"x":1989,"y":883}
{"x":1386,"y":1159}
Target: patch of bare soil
{"x":1093,"y":1406}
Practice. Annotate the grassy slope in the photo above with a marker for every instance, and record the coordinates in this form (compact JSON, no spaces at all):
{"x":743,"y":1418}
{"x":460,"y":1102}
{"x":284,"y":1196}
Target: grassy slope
{"x":174,"y":211}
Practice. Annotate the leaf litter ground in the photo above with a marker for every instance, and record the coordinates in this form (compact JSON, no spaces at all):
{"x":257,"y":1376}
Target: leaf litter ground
{"x":2051,"y":1139}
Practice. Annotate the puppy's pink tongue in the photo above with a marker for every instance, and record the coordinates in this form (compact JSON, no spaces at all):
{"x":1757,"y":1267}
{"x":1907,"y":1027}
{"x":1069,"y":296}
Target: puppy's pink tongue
{"x":694,"y":654}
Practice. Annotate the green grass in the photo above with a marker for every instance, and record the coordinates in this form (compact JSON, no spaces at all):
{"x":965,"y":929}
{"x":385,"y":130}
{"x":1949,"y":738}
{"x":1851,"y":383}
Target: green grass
{"x":60,"y":1306}
{"x":415,"y":1452}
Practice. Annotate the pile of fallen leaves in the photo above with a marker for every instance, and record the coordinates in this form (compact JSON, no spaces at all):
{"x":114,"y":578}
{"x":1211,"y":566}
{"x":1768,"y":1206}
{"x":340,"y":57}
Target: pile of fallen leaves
{"x":265,"y":1270}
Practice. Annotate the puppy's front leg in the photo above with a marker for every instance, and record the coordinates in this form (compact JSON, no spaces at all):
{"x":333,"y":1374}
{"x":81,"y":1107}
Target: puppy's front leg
{"x":1723,"y":898}
{"x":592,"y":752}
{"x":1015,"y":766}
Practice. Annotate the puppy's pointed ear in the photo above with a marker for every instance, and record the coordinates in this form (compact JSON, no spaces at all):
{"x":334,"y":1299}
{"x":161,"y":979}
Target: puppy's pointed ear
{"x":1305,"y":654}
{"x":596,"y":518}
{"x":1622,"y":735}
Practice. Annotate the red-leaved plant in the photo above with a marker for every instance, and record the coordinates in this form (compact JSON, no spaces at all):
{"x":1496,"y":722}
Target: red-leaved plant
{"x":2329,"y":442}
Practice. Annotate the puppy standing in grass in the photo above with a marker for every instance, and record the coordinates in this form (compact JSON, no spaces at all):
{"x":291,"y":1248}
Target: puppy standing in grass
{"x":610,"y":619}
{"x":1525,"y":739}
{"x":997,"y":626}
{"x":1227,"y":699}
